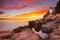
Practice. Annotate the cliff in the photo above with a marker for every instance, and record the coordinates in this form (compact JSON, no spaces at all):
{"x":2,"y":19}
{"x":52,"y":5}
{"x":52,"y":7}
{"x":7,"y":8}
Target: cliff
{"x":51,"y":26}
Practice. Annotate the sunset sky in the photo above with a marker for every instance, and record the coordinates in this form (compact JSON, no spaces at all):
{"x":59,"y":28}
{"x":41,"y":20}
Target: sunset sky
{"x":24,"y":7}
{"x":15,"y":13}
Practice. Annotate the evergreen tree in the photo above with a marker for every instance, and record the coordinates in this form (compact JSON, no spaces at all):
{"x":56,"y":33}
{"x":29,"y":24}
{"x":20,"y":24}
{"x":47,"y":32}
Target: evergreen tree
{"x":58,"y":7}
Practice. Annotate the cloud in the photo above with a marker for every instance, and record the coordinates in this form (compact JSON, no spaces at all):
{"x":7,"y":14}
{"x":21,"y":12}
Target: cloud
{"x":15,"y":4}
{"x":1,"y":12}
{"x":28,"y":1}
{"x":45,"y":0}
{"x":21,"y":4}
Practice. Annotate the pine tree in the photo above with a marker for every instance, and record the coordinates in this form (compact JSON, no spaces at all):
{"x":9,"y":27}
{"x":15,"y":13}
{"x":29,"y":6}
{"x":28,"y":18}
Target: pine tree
{"x":58,"y":7}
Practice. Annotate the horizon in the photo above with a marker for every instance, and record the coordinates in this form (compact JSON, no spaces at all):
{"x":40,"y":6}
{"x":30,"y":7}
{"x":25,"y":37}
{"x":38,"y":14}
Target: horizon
{"x":23,"y":10}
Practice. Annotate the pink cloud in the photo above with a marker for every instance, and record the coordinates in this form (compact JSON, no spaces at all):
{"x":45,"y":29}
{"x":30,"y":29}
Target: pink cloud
{"x":1,"y":12}
{"x":19,"y":5}
{"x":45,"y":0}
{"x":28,"y":2}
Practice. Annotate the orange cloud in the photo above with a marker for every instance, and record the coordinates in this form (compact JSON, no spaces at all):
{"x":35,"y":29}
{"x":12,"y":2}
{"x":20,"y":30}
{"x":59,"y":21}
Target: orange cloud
{"x":27,"y":17}
{"x":31,"y":16}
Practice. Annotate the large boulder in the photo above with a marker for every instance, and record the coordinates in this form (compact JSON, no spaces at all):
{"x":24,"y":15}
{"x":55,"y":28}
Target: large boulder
{"x":26,"y":34}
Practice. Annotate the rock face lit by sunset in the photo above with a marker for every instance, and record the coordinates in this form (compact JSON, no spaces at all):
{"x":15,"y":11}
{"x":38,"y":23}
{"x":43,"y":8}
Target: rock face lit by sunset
{"x":25,"y":10}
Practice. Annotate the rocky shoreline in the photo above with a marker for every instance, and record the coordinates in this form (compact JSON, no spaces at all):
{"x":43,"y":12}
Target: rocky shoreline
{"x":49,"y":25}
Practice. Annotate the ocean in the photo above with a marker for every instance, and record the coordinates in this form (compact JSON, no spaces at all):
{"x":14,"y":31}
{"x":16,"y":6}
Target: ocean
{"x":11,"y":24}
